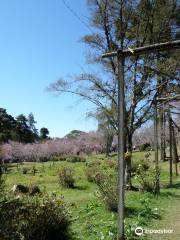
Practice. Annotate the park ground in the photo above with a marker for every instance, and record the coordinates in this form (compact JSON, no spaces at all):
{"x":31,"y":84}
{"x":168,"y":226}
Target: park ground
{"x":90,"y":218}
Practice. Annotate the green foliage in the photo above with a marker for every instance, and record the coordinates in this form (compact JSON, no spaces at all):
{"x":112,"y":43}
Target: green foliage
{"x":94,"y":163}
{"x":33,"y":218}
{"x":68,"y":158}
{"x":147,"y":212}
{"x":139,"y":165}
{"x":24,"y":170}
{"x":147,"y":177}
{"x":17,"y":129}
{"x":91,"y":173}
{"x":66,"y":177}
{"x":74,"y":134}
{"x":107,"y":190}
{"x":75,"y":158}
{"x":145,"y":147}
{"x":44,"y":132}
{"x":111,"y":163}
{"x":34,"y":170}
{"x":58,"y":158}
{"x":91,"y":220}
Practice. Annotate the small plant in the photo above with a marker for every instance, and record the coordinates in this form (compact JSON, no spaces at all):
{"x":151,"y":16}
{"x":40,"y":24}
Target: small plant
{"x":58,"y":158}
{"x":75,"y":158}
{"x":34,"y":170}
{"x":111,"y":163}
{"x":136,"y":166}
{"x":91,"y":173}
{"x":94,"y":163}
{"x":145,"y":147}
{"x":147,"y":212}
{"x":107,"y":190}
{"x":34,"y":190}
{"x":66,"y":177}
{"x":147,"y":178}
{"x":24,"y":170}
{"x":34,"y":218}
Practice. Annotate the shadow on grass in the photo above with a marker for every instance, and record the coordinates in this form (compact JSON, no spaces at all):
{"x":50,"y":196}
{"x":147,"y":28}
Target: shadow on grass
{"x":169,"y":194}
{"x":81,"y":188}
{"x":131,"y":212}
{"x":174,"y":185}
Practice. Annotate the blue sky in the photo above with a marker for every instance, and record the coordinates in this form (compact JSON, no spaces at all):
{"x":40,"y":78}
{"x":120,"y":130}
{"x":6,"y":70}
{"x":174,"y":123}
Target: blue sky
{"x":39,"y":43}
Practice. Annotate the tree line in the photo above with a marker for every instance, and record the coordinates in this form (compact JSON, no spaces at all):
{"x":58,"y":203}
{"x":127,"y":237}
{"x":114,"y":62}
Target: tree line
{"x":21,"y":128}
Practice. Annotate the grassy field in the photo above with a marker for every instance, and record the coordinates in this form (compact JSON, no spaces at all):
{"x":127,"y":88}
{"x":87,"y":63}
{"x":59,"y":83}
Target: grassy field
{"x":91,"y":219}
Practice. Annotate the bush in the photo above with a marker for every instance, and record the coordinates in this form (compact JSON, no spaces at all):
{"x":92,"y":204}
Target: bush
{"x":66,"y":177}
{"x":135,"y":166}
{"x":34,"y":190}
{"x":111,"y":163}
{"x":33,"y":218}
{"x":107,"y":190}
{"x":145,"y":147}
{"x":24,"y":170}
{"x":34,"y":170}
{"x":68,"y":158}
{"x":91,"y":173}
{"x":75,"y":158}
{"x":147,"y":178}
{"x":58,"y":158}
{"x":94,"y":163}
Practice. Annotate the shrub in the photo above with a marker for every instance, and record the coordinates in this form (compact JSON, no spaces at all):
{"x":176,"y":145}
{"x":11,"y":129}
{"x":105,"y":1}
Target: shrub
{"x":58,"y":158}
{"x":75,"y":158}
{"x":147,"y":178}
{"x":135,"y":166}
{"x":34,"y":190}
{"x":68,"y":158}
{"x":94,"y":163}
{"x":34,"y":170}
{"x":107,"y":190}
{"x":111,"y":163}
{"x":66,"y":177}
{"x":145,"y":147}
{"x":34,"y":218}
{"x":24,"y":170}
{"x":91,"y":173}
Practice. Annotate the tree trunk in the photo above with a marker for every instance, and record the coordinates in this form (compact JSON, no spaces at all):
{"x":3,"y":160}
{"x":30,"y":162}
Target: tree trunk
{"x":128,"y":163}
{"x":162,"y":134}
{"x":175,"y":157}
{"x":170,"y":149}
{"x":109,"y":141}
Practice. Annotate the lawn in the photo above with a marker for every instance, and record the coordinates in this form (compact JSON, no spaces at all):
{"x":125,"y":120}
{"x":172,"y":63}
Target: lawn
{"x":91,"y":219}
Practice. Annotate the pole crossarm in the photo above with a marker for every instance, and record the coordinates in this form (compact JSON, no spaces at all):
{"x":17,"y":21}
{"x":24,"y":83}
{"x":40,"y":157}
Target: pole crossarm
{"x":142,"y":50}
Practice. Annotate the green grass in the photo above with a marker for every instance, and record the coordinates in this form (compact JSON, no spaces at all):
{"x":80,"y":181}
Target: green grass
{"x":91,"y":219}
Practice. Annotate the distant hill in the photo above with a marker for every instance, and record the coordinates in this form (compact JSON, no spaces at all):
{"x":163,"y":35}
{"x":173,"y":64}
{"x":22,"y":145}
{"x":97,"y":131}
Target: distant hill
{"x":74,"y":134}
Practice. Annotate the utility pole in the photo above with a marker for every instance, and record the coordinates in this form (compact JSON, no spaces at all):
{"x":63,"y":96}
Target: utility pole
{"x":121,"y":55}
{"x":121,"y":145}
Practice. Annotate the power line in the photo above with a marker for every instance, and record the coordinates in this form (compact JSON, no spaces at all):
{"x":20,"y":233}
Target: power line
{"x":76,"y":15}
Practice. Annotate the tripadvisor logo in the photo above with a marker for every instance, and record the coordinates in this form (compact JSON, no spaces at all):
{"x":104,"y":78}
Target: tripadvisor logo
{"x":139,"y":231}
